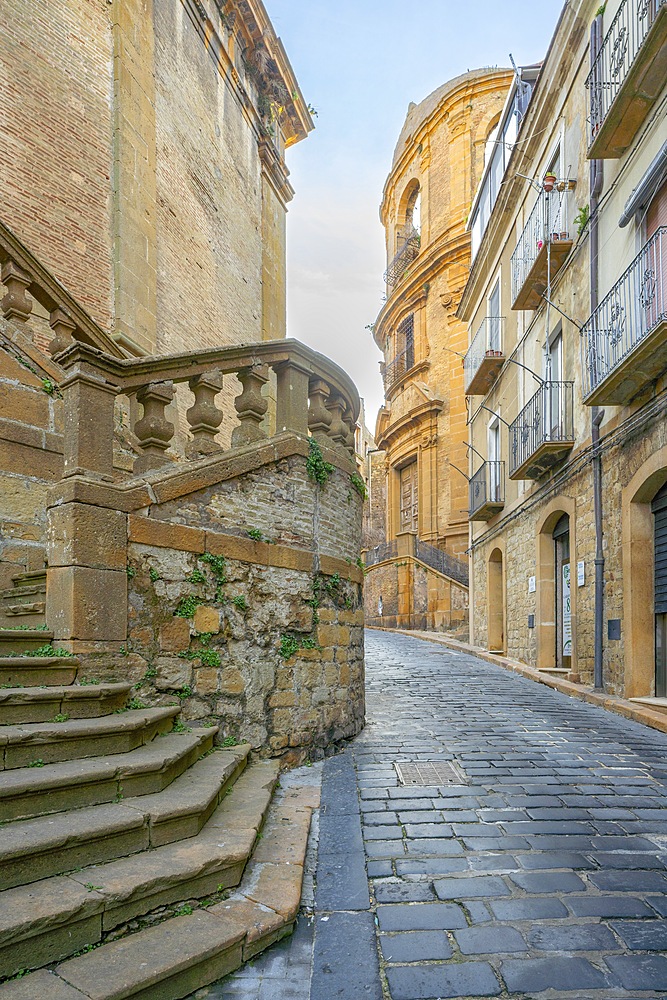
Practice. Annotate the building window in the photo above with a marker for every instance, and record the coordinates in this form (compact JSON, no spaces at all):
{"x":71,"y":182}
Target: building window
{"x":409,"y":497}
{"x":405,"y":341}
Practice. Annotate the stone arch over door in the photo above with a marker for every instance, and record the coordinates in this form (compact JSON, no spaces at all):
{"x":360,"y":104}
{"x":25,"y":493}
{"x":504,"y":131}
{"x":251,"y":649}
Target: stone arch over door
{"x":495,"y":601}
{"x":638,"y":569}
{"x":545,"y":617}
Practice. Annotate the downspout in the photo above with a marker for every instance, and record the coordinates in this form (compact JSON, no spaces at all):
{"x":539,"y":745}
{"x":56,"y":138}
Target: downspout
{"x":597,"y":415}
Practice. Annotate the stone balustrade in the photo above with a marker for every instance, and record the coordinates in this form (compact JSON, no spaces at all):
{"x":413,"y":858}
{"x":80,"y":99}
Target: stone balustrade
{"x":314,"y":396}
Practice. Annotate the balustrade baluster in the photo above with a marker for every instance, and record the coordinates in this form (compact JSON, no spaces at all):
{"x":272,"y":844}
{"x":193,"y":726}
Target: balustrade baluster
{"x":154,"y":430}
{"x":351,"y":425}
{"x":319,"y":417}
{"x":338,"y":430}
{"x":63,"y":329}
{"x":17,"y":303}
{"x":204,"y":416}
{"x":292,"y":402}
{"x":250,"y":406}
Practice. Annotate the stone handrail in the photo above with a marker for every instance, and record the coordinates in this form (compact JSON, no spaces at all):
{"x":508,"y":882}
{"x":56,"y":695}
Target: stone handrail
{"x":26,"y":279}
{"x":314,"y":396}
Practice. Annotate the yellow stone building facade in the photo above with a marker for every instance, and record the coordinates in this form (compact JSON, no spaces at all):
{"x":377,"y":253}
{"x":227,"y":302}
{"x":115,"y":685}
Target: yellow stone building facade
{"x":567,"y":309}
{"x":419,"y":576}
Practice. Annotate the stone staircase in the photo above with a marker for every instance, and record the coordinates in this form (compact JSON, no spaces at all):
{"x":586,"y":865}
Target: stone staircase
{"x":124,"y":834}
{"x":24,"y":603}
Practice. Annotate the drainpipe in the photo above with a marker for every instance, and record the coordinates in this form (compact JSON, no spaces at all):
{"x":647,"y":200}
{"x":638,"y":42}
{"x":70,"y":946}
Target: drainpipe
{"x":597,"y":415}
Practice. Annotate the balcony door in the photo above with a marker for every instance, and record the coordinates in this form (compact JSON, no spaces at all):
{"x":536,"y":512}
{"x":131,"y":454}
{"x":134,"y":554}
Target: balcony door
{"x":553,"y":400}
{"x":494,"y":460}
{"x":409,"y":486}
{"x":493,"y":315}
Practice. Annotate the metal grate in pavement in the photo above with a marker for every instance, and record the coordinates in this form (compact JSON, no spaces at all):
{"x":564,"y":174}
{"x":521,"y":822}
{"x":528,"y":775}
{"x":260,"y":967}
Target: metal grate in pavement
{"x":429,"y":772}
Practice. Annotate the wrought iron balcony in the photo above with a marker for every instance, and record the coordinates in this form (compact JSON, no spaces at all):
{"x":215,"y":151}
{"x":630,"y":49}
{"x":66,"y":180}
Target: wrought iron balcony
{"x":396,"y":369}
{"x":624,"y":342}
{"x":542,"y":249}
{"x":485,"y":357}
{"x":409,"y":243}
{"x":627,"y":76}
{"x":486,"y":491}
{"x":543,"y":433}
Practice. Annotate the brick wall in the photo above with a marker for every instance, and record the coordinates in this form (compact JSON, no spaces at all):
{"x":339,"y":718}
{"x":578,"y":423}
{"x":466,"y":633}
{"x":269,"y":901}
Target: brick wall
{"x":55,"y":140}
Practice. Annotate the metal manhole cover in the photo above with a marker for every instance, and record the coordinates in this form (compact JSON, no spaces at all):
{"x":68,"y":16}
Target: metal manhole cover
{"x":430,"y":772}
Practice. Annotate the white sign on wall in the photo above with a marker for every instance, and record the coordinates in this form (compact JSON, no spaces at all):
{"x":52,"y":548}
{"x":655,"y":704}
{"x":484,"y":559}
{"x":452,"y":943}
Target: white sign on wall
{"x":581,"y":573}
{"x":567,"y":612}
{"x":531,"y":585}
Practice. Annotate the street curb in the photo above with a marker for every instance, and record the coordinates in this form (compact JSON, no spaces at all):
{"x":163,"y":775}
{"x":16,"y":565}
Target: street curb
{"x":629,"y":710}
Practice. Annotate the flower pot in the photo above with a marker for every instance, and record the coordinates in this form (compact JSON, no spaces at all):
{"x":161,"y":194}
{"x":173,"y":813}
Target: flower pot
{"x":548,"y":182}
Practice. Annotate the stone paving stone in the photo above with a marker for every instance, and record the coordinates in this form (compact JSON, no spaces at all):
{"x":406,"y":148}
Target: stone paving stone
{"x":555,"y":859}
{"x":470,"y":888}
{"x":528,"y":909}
{"x":572,"y":937}
{"x":609,"y":906}
{"x":415,"y":946}
{"x":431,"y":866}
{"x":629,"y":881}
{"x":403,"y":892}
{"x":642,"y":935}
{"x":629,"y":861}
{"x":639,"y":972}
{"x":420,"y":916}
{"x":418,"y":830}
{"x":496,"y":843}
{"x":345,"y":959}
{"x":557,"y":973}
{"x":489,"y":940}
{"x":382,"y":833}
{"x":543,"y":882}
{"x":465,"y":979}
{"x":379,"y":869}
{"x":341,"y":882}
{"x":442,"y":848}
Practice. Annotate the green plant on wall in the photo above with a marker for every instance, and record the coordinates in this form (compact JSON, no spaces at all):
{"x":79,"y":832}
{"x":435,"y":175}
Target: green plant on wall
{"x":359,"y":485}
{"x":581,"y":219}
{"x":318,"y":470}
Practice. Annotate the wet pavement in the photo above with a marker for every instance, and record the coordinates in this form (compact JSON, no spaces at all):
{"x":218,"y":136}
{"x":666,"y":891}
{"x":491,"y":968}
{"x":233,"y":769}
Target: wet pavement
{"x":537,"y":871}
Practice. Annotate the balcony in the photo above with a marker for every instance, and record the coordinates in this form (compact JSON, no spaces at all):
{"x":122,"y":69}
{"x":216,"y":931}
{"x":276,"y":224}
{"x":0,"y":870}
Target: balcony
{"x":543,"y":433}
{"x":542,"y":249}
{"x":396,"y":369}
{"x":627,"y":76}
{"x":486,"y":491}
{"x":485,"y":358}
{"x":409,"y":242}
{"x":625,"y":340}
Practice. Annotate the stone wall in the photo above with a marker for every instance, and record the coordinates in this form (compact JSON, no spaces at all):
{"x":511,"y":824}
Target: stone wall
{"x":244,"y":599}
{"x":413,"y":596}
{"x":624,"y":455}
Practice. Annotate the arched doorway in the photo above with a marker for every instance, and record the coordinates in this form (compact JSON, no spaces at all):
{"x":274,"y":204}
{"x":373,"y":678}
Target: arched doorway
{"x":496,"y":602}
{"x":556,"y":599}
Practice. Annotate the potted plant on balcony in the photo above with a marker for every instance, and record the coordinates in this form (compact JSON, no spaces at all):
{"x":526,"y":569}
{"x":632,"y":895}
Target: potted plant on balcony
{"x":549,"y":181}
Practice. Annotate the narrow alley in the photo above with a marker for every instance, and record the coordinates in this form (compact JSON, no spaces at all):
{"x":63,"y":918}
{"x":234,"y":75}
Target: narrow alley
{"x":538,"y":873}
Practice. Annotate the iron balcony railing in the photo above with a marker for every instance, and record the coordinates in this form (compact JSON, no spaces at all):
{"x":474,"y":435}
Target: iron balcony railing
{"x":442,"y":562}
{"x":386,"y":550}
{"x":487,"y":486}
{"x":546,"y":419}
{"x":409,"y":242}
{"x":396,"y":369}
{"x":547,"y":223}
{"x":635,"y":306}
{"x":619,"y":49}
{"x":487,"y":342}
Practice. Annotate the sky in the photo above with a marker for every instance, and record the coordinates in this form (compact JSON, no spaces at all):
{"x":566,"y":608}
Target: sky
{"x":359,"y":64}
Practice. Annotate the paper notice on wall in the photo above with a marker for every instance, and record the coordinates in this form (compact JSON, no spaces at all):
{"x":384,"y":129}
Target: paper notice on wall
{"x":567,"y":613}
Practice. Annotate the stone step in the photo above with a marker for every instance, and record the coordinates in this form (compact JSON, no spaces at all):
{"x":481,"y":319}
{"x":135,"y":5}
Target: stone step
{"x":554,"y":671}
{"x":37,"y":671}
{"x":78,"y":701}
{"x":33,"y":918}
{"x":173,"y":959}
{"x":657,"y":704}
{"x":34,"y":849}
{"x":53,"y":788}
{"x":54,"y":741}
{"x":23,"y":640}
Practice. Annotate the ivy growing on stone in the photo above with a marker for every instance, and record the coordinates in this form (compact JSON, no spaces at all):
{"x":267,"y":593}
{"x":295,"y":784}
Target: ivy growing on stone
{"x":359,"y":485}
{"x":318,"y":470}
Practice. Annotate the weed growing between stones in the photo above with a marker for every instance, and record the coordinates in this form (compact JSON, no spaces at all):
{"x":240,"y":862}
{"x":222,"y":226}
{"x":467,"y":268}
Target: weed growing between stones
{"x":153,"y":574}
{"x":187,"y":606}
{"x":255,"y":534}
{"x":36,"y":763}
{"x":359,"y":485}
{"x":48,"y":650}
{"x":61,"y":717}
{"x":240,"y":602}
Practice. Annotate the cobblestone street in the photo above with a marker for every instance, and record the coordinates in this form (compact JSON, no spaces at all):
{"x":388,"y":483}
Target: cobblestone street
{"x":541,"y":875}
